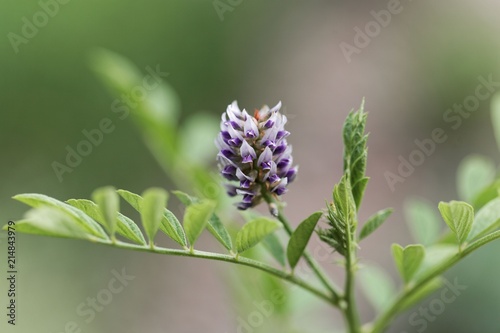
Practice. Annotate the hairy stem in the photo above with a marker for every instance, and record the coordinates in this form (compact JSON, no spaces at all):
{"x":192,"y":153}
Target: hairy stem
{"x":350,"y":310}
{"x":385,"y":318}
{"x":227,"y":258}
{"x":313,"y":264}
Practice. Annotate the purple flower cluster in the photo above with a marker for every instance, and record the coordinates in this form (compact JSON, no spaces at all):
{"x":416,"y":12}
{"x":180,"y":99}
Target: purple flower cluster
{"x":253,"y":151}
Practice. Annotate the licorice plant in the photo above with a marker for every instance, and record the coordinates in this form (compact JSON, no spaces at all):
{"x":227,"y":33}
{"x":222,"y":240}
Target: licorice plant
{"x":256,"y":166}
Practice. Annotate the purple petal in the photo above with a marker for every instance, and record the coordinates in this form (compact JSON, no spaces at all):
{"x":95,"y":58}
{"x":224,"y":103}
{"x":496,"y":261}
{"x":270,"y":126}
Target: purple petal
{"x":281,"y":148}
{"x":236,"y":142}
{"x":276,"y":108}
{"x":229,"y":172}
{"x":227,"y":153}
{"x":265,"y":157}
{"x":231,"y":190}
{"x":248,"y":198}
{"x":292,"y":174}
{"x":243,"y":206}
{"x":282,"y":134}
{"x":283,"y":163}
{"x":250,"y":128}
{"x":247,"y":152}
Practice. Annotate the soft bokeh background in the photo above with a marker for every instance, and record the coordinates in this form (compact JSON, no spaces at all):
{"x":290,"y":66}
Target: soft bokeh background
{"x":428,"y":58}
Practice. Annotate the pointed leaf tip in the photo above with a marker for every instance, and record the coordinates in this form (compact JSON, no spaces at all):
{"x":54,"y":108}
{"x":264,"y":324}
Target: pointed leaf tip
{"x":152,"y":208}
{"x":300,"y":237}
{"x":255,"y":231}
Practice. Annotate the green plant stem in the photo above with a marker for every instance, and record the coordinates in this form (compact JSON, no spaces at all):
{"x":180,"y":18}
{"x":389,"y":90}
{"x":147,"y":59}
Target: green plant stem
{"x":227,"y":258}
{"x":327,"y":282}
{"x":350,"y":311}
{"x":384,"y":319}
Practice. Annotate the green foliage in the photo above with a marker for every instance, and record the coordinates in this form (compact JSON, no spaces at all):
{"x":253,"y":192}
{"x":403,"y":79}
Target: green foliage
{"x":435,"y":256}
{"x":108,"y":204}
{"x":152,"y":207}
{"x":408,"y":259}
{"x":475,"y":173}
{"x":341,"y":218}
{"x":273,"y":244}
{"x":215,"y":226}
{"x":423,"y":292}
{"x":196,"y":218}
{"x":253,"y":232}
{"x":50,"y":221}
{"x":125,"y":226}
{"x":489,"y":193}
{"x":355,"y":153}
{"x":184,"y":152}
{"x":169,"y":224}
{"x":300,"y":237}
{"x":495,"y":117}
{"x":375,"y":221}
{"x":459,"y":216}
{"x":486,"y":220}
{"x":423,"y":220}
{"x":85,"y":222}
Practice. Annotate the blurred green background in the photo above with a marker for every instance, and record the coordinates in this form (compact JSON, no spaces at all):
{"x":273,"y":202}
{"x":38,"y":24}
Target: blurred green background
{"x":427,"y":58}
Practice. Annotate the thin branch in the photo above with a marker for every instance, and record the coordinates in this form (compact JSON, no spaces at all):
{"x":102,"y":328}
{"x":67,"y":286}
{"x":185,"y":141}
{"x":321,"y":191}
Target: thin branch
{"x":327,"y":282}
{"x":226,"y":258}
{"x":383,"y":320}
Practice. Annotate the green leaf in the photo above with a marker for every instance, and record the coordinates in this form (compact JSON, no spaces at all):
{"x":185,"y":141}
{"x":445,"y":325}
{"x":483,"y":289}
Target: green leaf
{"x":475,"y":173}
{"x":50,"y":221}
{"x":423,"y":220}
{"x":215,"y":226}
{"x":125,"y":226}
{"x":109,"y":204}
{"x":377,"y":286}
{"x":170,"y":225}
{"x":435,"y":255}
{"x":489,"y":193}
{"x":408,"y":259}
{"x":217,"y":229}
{"x":487,"y":220}
{"x":196,"y":218}
{"x":495,"y":117}
{"x":459,"y":217}
{"x":355,"y":152}
{"x":422,"y":293}
{"x":273,"y":244}
{"x":85,"y":222}
{"x":152,"y":208}
{"x":255,"y":231}
{"x":185,"y":198}
{"x":374,"y":222}
{"x":300,"y":237}
{"x":341,"y":218}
